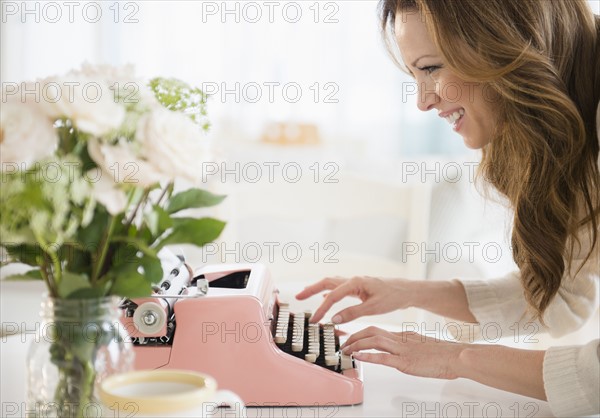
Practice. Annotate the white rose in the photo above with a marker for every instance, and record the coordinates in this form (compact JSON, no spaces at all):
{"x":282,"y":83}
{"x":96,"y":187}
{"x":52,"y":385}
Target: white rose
{"x":123,"y":78}
{"x":26,"y":134}
{"x":107,"y":192}
{"x":89,"y":103}
{"x":120,"y":164}
{"x":171,"y":143}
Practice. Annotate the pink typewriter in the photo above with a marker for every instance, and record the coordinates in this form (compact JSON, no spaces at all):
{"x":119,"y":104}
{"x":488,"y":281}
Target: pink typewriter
{"x":227,"y":321}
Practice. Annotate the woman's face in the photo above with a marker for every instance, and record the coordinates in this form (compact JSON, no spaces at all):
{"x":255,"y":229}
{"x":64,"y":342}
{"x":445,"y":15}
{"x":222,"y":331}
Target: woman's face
{"x":464,"y":105}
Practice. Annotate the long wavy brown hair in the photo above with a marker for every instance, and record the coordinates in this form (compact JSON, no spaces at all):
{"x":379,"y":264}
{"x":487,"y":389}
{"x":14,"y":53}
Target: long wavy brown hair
{"x":542,"y":60}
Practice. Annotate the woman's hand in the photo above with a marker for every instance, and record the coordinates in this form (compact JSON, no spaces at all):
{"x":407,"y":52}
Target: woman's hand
{"x":511,"y":369}
{"x":378,"y":296}
{"x":408,"y":352}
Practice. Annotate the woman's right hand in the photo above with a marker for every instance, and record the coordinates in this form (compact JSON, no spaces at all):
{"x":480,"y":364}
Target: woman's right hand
{"x":378,"y":296}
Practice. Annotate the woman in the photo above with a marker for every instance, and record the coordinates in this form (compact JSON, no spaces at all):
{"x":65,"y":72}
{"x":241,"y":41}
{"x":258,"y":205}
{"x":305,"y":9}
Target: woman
{"x":519,"y":80}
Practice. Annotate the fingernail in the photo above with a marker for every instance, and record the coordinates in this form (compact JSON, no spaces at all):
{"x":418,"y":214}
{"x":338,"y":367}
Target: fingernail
{"x":336,"y":319}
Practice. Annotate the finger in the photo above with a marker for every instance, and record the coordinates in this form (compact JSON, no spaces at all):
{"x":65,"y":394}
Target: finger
{"x":325,"y":284}
{"x":337,"y":294}
{"x":377,"y":342}
{"x":352,"y":312}
{"x":340,"y":333}
{"x":364,"y":333}
{"x":385,"y":359}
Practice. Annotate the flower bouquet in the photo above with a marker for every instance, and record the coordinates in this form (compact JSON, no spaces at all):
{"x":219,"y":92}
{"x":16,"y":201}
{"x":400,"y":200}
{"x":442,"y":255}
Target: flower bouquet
{"x":89,"y":162}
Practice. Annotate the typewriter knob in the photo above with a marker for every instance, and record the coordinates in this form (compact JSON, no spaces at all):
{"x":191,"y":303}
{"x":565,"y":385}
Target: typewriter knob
{"x":149,"y":318}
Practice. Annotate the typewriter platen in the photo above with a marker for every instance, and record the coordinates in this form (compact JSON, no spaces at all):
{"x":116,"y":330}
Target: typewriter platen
{"x":237,"y":330}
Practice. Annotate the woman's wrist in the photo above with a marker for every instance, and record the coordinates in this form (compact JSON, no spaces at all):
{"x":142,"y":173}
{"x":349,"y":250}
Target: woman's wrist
{"x":445,"y":298}
{"x":511,"y":369}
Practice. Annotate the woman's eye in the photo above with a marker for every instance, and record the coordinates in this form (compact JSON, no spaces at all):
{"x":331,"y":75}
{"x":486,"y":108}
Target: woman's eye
{"x":430,"y":69}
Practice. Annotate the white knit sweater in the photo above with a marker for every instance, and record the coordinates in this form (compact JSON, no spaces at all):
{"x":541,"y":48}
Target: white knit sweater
{"x":572,"y":373}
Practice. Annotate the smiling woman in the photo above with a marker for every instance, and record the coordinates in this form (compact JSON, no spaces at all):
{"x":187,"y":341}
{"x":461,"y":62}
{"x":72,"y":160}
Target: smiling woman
{"x":519,"y":80}
{"x":537,"y":133}
{"x":440,"y":88}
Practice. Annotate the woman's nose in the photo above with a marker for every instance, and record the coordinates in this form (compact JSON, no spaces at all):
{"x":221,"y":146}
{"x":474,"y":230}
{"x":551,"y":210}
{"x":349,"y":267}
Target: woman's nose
{"x":427,"y":96}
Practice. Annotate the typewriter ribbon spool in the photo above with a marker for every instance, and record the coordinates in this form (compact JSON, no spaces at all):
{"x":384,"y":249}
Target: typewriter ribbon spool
{"x":150,"y":317}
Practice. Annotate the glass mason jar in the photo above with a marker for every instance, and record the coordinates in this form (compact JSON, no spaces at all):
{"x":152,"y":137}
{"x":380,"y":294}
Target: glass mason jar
{"x":80,"y":342}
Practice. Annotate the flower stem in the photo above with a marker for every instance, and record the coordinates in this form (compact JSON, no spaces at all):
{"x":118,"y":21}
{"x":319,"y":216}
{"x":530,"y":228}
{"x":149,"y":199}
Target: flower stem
{"x":168,"y":188}
{"x":105,"y":245}
{"x":56,"y":270}
{"x":137,"y":207}
{"x":43,"y":263}
{"x":87,"y":386}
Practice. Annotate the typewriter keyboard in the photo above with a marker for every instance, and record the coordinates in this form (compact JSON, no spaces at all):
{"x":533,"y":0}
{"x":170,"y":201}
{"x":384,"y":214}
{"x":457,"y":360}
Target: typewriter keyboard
{"x":315,"y":343}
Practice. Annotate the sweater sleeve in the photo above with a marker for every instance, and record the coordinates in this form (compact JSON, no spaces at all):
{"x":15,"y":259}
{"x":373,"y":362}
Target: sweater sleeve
{"x":500,"y":307}
{"x":572,"y":379}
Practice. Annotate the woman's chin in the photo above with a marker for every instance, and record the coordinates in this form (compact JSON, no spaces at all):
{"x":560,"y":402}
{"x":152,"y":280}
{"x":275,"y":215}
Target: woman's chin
{"x":473,"y":143}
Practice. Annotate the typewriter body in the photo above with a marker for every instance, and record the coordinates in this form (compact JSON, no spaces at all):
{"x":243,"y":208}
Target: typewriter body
{"x":228,"y":321}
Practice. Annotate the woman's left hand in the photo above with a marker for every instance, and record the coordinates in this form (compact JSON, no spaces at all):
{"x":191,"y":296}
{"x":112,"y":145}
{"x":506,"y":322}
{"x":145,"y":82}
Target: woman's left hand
{"x":409,"y":352}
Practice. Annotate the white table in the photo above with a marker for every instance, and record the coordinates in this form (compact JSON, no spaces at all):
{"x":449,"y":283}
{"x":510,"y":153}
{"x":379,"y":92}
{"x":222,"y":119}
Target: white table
{"x":388,"y":393}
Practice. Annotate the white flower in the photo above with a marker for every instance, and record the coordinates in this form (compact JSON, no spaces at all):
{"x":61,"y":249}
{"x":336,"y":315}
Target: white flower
{"x":122,"y":80}
{"x":171,"y":143}
{"x":26,"y":134}
{"x":88,"y":102}
{"x":120,"y":164}
{"x":107,"y":192}
{"x":167,"y":146}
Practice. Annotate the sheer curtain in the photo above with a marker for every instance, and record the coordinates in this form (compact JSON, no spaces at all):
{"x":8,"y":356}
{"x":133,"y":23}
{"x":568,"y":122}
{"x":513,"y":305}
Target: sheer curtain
{"x":317,"y":62}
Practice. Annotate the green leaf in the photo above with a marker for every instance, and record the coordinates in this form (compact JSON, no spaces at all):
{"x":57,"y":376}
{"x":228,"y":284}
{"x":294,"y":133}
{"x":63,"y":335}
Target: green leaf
{"x":133,"y":285}
{"x":77,"y":259}
{"x":24,"y":253}
{"x":153,"y":271}
{"x":135,"y":245}
{"x":158,"y":221}
{"x":135,"y":268}
{"x":71,"y":282}
{"x":87,"y":293}
{"x":91,"y":235}
{"x":30,"y":275}
{"x":129,"y":261}
{"x":193,"y":231}
{"x":193,"y":198}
